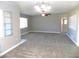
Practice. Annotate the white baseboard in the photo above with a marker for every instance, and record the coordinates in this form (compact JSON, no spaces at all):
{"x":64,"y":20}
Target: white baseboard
{"x":3,"y":53}
{"x":40,"y":31}
{"x":72,"y":40}
{"x":46,"y":31}
{"x":25,"y":33}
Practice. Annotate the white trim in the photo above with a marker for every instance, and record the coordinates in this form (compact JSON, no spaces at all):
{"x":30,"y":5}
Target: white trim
{"x":25,"y":33}
{"x":8,"y":50}
{"x":72,"y":40}
{"x":46,"y":31}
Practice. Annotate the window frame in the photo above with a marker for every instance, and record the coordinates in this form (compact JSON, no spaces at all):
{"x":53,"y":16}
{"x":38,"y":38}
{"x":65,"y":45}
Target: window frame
{"x":24,"y":22}
{"x":11,"y":25}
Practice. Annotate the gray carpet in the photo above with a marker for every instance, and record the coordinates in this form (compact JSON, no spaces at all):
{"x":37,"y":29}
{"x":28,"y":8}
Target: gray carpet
{"x":42,"y":45}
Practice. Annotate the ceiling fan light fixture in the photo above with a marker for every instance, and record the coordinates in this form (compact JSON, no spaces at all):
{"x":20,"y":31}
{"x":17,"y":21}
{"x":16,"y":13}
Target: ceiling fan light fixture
{"x":43,"y":8}
{"x":43,"y":14}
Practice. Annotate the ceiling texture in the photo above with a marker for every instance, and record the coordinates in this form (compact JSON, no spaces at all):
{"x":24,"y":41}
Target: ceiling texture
{"x":27,"y":7}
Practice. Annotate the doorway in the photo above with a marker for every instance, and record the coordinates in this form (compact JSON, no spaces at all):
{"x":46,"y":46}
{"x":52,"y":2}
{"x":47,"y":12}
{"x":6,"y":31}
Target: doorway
{"x":64,"y":24}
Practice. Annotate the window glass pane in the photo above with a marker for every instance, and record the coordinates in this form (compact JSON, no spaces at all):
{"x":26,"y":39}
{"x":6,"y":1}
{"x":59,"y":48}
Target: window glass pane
{"x":65,"y":21}
{"x":23,"y":22}
{"x":7,"y":20}
{"x":23,"y":26}
{"x":8,"y":32}
{"x":7,"y":26}
{"x":7,"y":14}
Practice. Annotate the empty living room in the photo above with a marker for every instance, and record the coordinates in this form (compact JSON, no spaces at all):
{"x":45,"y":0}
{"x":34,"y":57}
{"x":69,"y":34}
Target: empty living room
{"x":39,"y":29}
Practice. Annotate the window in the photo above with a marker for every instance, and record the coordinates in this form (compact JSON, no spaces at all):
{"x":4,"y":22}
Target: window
{"x":23,"y":23}
{"x":65,"y":21}
{"x":1,"y":24}
{"x":73,"y":21}
{"x":7,"y":24}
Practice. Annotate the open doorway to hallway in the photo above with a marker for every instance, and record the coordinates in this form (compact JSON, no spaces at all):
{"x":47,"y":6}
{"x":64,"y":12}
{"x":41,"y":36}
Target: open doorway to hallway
{"x":64,"y":24}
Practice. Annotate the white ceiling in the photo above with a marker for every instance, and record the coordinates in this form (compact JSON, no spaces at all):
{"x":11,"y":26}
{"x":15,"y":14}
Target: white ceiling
{"x":27,"y":7}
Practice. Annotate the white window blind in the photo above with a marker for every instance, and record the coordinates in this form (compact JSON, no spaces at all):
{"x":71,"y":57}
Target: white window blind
{"x":7,"y":23}
{"x":23,"y":23}
{"x":1,"y":24}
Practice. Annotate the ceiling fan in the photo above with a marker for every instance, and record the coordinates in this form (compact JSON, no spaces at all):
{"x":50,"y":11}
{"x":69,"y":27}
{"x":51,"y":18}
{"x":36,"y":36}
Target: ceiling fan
{"x":43,"y":8}
{"x":45,"y":14}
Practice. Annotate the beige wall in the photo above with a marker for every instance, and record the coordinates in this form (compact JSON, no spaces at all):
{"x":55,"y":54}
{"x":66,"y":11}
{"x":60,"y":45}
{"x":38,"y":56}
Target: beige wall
{"x":50,"y":24}
{"x":8,"y":42}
